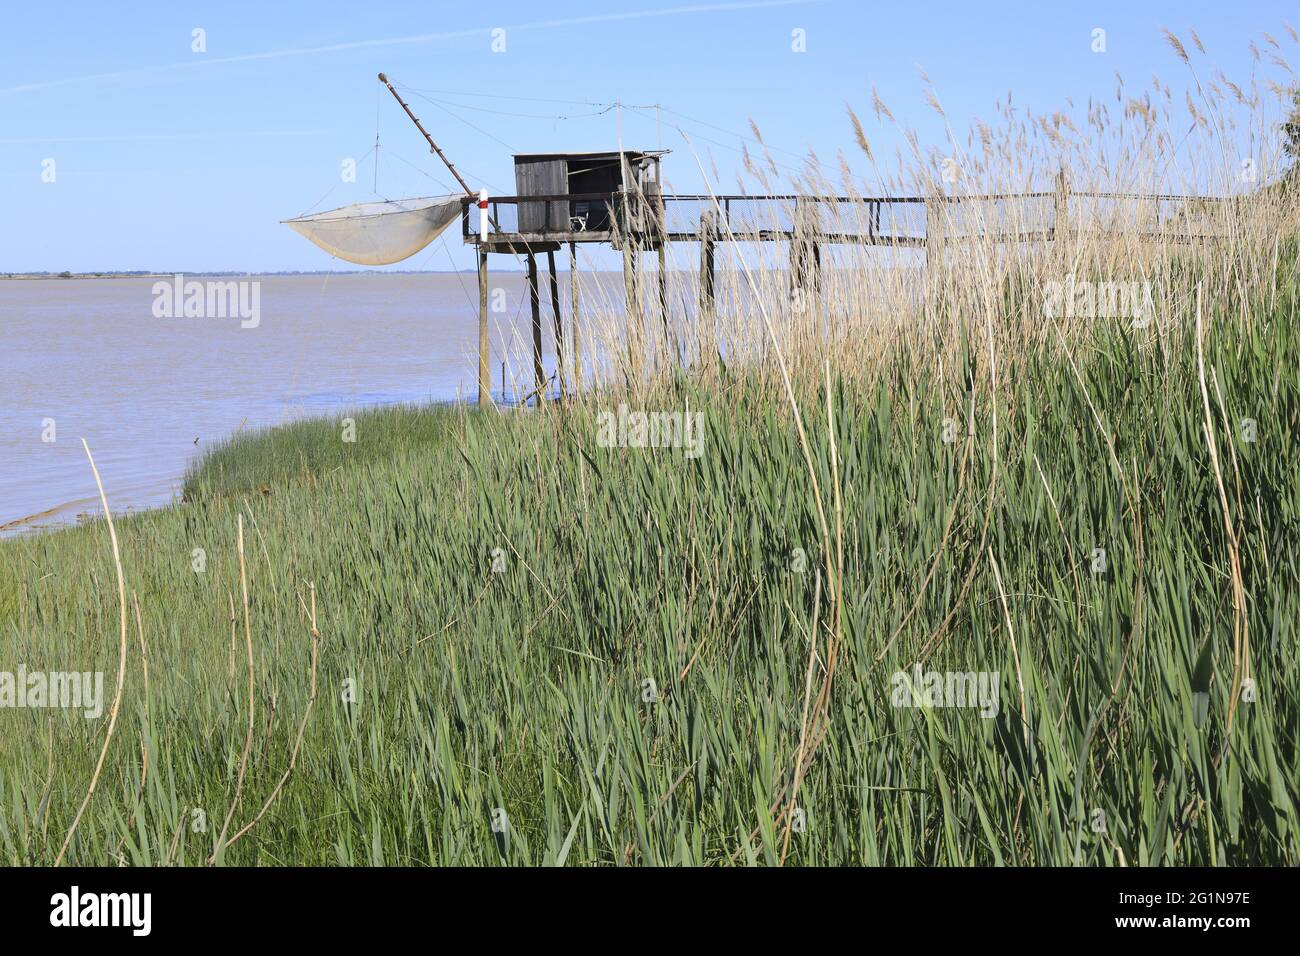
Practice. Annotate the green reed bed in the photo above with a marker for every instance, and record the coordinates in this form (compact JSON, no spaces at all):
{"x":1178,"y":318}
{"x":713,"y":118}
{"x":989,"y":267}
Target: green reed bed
{"x":494,"y":592}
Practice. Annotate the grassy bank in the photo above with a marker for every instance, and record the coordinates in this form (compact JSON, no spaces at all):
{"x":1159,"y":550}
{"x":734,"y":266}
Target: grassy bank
{"x":495,"y":592}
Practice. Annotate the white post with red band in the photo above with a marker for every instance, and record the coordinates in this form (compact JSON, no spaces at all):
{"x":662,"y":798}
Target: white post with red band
{"x":482,"y":215}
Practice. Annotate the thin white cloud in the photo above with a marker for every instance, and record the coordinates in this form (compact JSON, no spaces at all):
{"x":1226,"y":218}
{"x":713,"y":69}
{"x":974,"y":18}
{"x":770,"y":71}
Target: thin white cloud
{"x":206,"y":61}
{"x":150,"y":137}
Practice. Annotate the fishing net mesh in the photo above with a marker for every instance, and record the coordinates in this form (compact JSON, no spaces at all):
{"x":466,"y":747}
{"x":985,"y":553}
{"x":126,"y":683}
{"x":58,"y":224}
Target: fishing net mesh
{"x":379,"y":233}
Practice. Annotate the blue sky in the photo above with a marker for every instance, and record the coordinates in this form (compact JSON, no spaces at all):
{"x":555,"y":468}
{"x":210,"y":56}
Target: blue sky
{"x":169,"y":159}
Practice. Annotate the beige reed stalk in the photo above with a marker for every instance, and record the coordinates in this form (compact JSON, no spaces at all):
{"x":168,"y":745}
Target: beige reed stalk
{"x":121,"y":660}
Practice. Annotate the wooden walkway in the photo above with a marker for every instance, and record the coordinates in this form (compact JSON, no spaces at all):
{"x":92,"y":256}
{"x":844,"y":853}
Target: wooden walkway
{"x":635,"y":222}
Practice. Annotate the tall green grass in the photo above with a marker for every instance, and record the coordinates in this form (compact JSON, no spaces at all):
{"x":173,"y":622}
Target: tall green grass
{"x":524,"y":689}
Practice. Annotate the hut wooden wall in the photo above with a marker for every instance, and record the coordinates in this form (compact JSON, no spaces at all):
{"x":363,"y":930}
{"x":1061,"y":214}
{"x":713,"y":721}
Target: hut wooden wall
{"x":542,"y":177}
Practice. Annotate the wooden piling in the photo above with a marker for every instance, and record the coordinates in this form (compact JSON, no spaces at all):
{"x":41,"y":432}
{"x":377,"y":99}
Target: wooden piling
{"x":574,"y":323}
{"x":484,"y":376}
{"x":935,"y":230}
{"x":707,"y":331}
{"x":663,"y":303}
{"x":1061,"y":207}
{"x":559,"y":328}
{"x":534,"y":300}
{"x":631,"y":291}
{"x":805,"y":254}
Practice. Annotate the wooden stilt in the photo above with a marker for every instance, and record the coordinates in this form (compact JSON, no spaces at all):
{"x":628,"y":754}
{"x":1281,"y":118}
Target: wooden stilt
{"x":559,"y":326}
{"x":630,"y":290}
{"x":707,"y":329}
{"x":805,"y":252}
{"x":815,"y":284}
{"x":935,"y":228}
{"x":574,"y":322}
{"x":798,"y":257}
{"x":534,"y":300}
{"x":1061,"y":206}
{"x":798,"y":271}
{"x":484,"y":376}
{"x":663,"y":303}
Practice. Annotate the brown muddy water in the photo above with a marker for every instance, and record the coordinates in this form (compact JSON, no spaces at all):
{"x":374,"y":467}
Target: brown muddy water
{"x":90,"y":358}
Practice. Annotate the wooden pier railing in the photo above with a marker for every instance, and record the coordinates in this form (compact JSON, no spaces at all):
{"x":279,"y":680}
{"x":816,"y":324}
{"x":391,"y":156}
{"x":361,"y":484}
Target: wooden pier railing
{"x":888,"y":220}
{"x":633,"y":222}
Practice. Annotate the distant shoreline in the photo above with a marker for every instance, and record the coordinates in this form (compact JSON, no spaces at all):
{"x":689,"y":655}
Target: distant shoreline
{"x":167,"y":275}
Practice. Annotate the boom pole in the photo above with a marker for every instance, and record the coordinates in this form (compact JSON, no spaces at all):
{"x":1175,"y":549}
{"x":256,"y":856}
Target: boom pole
{"x":418,"y":125}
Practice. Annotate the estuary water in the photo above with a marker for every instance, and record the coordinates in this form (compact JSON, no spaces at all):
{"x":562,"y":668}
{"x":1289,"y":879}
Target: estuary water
{"x":93,"y":358}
